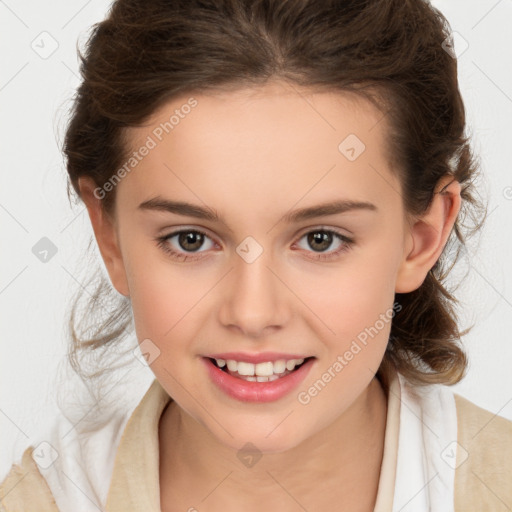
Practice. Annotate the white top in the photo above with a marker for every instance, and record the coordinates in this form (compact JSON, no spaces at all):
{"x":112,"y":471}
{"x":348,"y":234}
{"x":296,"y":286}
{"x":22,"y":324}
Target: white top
{"x":110,"y":469}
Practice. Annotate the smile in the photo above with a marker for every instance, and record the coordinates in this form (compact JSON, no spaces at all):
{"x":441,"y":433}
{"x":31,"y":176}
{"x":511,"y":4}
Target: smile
{"x":258,"y":381}
{"x":267,"y":371}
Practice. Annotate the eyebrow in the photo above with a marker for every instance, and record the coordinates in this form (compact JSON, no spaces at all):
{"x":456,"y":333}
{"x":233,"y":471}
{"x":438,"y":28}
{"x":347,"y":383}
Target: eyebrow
{"x":206,"y":213}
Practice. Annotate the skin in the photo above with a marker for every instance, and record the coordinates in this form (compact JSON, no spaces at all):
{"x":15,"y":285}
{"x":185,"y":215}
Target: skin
{"x":254,"y":155}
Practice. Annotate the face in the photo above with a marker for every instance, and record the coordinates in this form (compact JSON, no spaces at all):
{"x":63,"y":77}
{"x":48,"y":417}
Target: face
{"x":245,"y":273}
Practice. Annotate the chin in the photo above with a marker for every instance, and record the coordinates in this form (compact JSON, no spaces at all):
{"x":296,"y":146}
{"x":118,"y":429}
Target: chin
{"x":268,"y":438}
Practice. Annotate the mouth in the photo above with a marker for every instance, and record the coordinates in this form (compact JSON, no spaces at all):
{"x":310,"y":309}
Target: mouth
{"x":265,"y":381}
{"x":267,"y":371}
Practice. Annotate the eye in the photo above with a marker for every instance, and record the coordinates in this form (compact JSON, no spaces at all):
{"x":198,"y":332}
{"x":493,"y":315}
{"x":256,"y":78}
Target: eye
{"x":321,"y":239}
{"x":187,"y":239}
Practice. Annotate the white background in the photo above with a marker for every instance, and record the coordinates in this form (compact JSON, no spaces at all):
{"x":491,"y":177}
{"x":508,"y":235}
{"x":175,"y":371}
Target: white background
{"x":35,"y":94}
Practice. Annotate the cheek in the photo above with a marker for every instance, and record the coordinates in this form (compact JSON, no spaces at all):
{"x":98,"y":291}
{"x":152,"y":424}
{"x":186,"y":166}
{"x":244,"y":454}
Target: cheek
{"x":360,"y":312}
{"x":342,"y":301}
{"x":162,"y":309}
{"x":349,"y":298}
{"x":163,"y":296}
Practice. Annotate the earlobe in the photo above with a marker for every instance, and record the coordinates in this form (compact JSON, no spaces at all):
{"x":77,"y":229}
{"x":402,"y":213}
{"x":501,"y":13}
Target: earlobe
{"x":106,"y":236}
{"x":426,"y":238}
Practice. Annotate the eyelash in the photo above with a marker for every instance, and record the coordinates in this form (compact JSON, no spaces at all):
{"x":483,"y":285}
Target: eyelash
{"x":162,"y":243}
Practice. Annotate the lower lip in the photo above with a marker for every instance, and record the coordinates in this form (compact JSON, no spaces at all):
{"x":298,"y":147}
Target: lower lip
{"x":247,"y":391}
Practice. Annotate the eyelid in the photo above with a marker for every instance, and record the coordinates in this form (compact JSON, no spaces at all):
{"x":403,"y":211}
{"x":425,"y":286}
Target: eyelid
{"x":163,"y":242}
{"x":174,"y":230}
{"x":323,"y":227}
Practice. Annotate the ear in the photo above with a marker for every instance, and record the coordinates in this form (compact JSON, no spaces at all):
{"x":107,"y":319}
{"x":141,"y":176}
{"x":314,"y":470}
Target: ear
{"x":426,"y":238}
{"x":106,"y":235}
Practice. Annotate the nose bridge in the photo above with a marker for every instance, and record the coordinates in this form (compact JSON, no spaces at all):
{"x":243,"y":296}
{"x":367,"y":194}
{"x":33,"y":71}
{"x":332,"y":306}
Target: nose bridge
{"x":255,"y":298}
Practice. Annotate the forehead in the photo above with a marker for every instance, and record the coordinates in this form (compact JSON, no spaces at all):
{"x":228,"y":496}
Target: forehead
{"x":272,"y":143}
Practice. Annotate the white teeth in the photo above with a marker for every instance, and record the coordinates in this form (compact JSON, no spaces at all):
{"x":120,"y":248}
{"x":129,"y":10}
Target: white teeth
{"x":232,"y":365}
{"x":279,"y":366}
{"x":264,"y":370}
{"x":245,"y":368}
{"x":290,"y":365}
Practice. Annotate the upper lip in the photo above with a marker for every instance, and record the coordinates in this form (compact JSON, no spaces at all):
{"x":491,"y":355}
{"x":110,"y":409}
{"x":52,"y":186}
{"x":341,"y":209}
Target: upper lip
{"x":261,"y":357}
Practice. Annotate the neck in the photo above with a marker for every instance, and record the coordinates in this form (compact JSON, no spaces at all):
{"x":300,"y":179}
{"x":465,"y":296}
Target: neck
{"x":342,"y":460}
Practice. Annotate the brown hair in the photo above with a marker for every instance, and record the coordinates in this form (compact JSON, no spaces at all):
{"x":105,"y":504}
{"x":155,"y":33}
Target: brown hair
{"x":392,"y":52}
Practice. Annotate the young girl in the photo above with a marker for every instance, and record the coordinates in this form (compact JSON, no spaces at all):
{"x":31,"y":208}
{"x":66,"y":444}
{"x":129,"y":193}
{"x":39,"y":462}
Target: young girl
{"x":274,"y":188}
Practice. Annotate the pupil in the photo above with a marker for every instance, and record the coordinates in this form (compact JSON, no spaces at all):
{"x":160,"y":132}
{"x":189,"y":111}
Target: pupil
{"x":185,"y":238}
{"x":319,"y":237}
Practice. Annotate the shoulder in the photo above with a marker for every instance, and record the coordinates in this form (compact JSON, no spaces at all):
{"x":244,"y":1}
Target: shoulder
{"x":483,"y":476}
{"x":488,"y":435}
{"x":65,"y":467}
{"x":25,"y":489}
{"x":69,"y":465}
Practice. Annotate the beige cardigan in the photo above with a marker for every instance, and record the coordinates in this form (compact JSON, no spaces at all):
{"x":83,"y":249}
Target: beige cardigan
{"x":483,"y":482}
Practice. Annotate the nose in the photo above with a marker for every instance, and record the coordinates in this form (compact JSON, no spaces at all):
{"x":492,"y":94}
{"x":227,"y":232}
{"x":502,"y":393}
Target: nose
{"x":254,"y":298}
